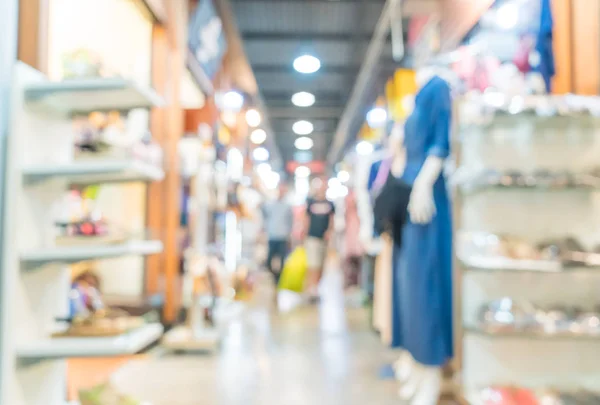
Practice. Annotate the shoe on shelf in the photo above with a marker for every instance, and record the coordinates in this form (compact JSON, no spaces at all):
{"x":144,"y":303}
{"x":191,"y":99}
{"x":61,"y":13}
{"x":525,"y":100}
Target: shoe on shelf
{"x":106,"y":394}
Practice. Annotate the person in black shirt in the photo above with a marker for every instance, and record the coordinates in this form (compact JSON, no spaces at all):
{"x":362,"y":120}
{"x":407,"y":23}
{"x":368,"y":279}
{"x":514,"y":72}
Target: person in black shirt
{"x":319,"y":225}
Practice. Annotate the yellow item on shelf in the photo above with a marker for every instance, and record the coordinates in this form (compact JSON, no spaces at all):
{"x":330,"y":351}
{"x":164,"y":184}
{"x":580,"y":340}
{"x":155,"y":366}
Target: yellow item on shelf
{"x":294,"y":271}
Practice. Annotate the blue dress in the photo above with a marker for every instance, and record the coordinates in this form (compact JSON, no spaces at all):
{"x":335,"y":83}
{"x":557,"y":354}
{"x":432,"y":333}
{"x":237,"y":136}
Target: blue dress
{"x":422,"y":266}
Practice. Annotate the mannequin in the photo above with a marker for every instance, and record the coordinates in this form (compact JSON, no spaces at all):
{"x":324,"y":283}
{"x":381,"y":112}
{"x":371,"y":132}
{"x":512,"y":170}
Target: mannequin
{"x":422,"y":316}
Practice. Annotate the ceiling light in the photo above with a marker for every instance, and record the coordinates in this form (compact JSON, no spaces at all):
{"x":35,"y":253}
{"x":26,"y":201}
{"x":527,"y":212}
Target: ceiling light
{"x":253,"y":118}
{"x":303,"y":143}
{"x":364,"y":148}
{"x":258,"y":136}
{"x":303,"y":99}
{"x":377,"y":117}
{"x":232,"y":100}
{"x":260,"y":154}
{"x":307,"y":64}
{"x":343,"y":176}
{"x":302,"y":171}
{"x":303,"y":127}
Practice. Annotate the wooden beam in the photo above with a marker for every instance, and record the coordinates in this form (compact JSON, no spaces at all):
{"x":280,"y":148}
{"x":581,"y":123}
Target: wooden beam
{"x":562,"y":82}
{"x":176,"y":29}
{"x":586,"y":46}
{"x":33,"y":33}
{"x":155,"y":203}
{"x":164,"y":208}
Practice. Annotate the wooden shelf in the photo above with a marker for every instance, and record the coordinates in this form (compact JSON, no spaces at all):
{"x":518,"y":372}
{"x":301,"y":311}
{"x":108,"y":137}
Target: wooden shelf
{"x":94,"y":94}
{"x":64,"y":347}
{"x":73,"y":254}
{"x":95,"y":172}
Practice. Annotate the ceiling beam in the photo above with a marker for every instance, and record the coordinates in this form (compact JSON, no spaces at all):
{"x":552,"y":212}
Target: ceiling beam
{"x":304,"y":113}
{"x":305,"y":36}
{"x":325,"y":69}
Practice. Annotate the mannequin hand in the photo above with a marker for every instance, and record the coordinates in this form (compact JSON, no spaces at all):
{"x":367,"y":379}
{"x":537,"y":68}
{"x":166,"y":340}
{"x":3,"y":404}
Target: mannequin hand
{"x":421,"y":206}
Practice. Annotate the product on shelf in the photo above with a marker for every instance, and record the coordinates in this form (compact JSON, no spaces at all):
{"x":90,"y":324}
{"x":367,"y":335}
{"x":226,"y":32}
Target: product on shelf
{"x":524,"y":396}
{"x":88,"y":314}
{"x":507,"y":315}
{"x":82,"y":63}
{"x":79,"y":222}
{"x":110,"y":136}
{"x":486,"y":250}
{"x":541,"y":178}
{"x":105,"y":394}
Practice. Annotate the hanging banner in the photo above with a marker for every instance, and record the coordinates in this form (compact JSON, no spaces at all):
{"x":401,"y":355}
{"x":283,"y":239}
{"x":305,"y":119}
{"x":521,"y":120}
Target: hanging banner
{"x":206,"y":38}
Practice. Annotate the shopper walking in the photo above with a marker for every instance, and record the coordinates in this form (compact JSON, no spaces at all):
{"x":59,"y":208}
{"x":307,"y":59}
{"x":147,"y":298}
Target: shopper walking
{"x":318,"y":230}
{"x":278,"y":222}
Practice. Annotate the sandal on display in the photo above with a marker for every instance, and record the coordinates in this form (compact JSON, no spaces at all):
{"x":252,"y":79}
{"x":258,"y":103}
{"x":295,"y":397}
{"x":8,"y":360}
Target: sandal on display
{"x":105,"y":394}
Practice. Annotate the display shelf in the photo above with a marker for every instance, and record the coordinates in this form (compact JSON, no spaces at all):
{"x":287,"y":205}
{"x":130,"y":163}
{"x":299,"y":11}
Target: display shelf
{"x":533,"y":178}
{"x":127,"y":343}
{"x":72,"y":254}
{"x":491,"y":264}
{"x":94,"y":94}
{"x":533,"y":335}
{"x":94,"y":172}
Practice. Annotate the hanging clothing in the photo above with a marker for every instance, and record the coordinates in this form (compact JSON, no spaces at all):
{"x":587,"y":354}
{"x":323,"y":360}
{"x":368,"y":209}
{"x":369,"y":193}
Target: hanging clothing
{"x":544,"y":45}
{"x":422,"y":274}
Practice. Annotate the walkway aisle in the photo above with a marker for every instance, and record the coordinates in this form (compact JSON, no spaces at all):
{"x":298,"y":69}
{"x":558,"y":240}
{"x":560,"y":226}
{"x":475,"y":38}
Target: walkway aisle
{"x":310,"y":356}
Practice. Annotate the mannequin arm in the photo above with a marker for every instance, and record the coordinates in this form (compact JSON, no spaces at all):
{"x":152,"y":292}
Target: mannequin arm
{"x":421,"y":206}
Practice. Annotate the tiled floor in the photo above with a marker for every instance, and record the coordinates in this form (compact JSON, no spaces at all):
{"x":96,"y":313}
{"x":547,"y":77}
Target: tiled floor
{"x":310,"y":356}
{"x":316,"y":356}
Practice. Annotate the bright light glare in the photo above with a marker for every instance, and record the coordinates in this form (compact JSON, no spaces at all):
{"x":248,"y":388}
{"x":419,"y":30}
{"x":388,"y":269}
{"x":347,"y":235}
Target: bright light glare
{"x":507,"y":16}
{"x":364,"y":148}
{"x":235,"y":164}
{"x":303,"y":143}
{"x":258,"y":136}
{"x":232,"y":100}
{"x":302,"y":171}
{"x":260,"y":154}
{"x":377,"y":117}
{"x":303,"y":99}
{"x":271,"y":180}
{"x":334,"y":182}
{"x":253,"y":118}
{"x":334,"y":193}
{"x":307,"y":64}
{"x":343,"y":176}
{"x":263,"y":168}
{"x":303,"y":127}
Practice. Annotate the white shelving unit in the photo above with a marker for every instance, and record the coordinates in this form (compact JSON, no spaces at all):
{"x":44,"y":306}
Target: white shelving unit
{"x":128,"y":343}
{"x":71,"y":254}
{"x":40,"y":168}
{"x":525,"y":142}
{"x":93,"y":172}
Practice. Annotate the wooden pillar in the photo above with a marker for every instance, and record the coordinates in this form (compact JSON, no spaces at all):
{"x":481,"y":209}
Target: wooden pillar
{"x":164,"y":198}
{"x":562,"y":42}
{"x":33,"y":33}
{"x":586,"y":46}
{"x":158,"y":127}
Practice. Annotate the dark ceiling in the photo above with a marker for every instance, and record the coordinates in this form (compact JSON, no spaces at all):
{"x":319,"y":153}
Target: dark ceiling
{"x":337,"y":32}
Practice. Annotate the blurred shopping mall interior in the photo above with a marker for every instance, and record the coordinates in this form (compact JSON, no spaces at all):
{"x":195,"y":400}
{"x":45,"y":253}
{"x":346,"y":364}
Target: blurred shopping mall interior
{"x":299,"y":202}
